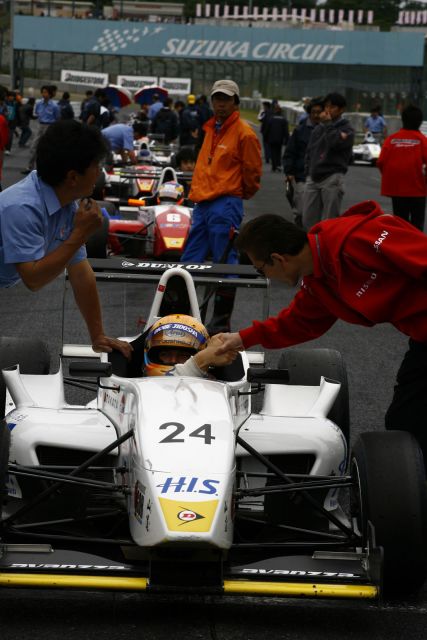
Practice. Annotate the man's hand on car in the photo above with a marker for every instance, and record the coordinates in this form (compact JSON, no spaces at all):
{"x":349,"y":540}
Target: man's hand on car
{"x":230,"y":342}
{"x":103,"y":343}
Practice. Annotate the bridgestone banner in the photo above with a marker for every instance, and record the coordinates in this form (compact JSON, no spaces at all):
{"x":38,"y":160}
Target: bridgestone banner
{"x":176,"y":86}
{"x":84,"y":77}
{"x":135,"y":82}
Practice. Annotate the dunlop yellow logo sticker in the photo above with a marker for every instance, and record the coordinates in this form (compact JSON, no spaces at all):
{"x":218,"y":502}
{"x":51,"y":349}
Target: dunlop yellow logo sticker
{"x":174,"y":243}
{"x":188,"y":516}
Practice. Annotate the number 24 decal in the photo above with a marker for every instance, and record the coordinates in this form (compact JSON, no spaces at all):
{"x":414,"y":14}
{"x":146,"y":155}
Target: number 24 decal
{"x":204,"y":432}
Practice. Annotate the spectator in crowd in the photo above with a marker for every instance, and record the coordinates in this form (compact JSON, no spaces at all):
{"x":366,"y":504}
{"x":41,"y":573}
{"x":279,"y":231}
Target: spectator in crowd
{"x":204,"y":109}
{"x":89,"y":96}
{"x":166,"y":122}
{"x":294,"y":156}
{"x":185,"y":160}
{"x":47,"y":112}
{"x":53,"y":90}
{"x":304,"y":114}
{"x":65,"y":107}
{"x":142,"y":115}
{"x":204,"y":114}
{"x":25,"y":116}
{"x":376,"y":124}
{"x":326,"y":162}
{"x":120,"y":139}
{"x":43,"y":229}
{"x":228,"y":171}
{"x":96,"y":111}
{"x":364,"y":268}
{"x":402,"y":163}
{"x":12,"y":117}
{"x":277,"y":134}
{"x":156,"y":105}
{"x":189,"y":123}
{"x":263,"y":116}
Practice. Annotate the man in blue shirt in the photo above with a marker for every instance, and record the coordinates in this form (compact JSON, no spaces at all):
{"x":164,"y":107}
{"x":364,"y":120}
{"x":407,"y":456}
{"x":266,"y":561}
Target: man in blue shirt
{"x":47,"y":112}
{"x":155,"y":107}
{"x":376,"y":124}
{"x":43,"y":230}
{"x":120,"y":138}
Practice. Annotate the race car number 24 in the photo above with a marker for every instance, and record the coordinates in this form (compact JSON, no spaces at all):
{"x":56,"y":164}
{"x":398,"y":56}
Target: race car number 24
{"x":204,"y":432}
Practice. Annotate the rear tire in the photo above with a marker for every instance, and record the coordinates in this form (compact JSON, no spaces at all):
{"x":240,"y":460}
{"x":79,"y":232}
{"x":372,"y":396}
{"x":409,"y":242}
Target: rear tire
{"x":31,"y":355}
{"x":391,"y":493}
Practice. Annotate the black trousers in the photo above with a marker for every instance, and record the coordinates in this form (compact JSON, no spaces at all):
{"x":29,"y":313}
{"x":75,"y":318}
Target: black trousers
{"x":410,"y":209}
{"x":408,"y":409}
{"x":276,"y":156}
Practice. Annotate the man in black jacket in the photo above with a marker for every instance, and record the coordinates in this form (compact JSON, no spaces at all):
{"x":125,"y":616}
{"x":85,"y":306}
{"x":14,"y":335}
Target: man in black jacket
{"x":166,"y":122}
{"x":294,"y":156}
{"x":276,"y":134}
{"x":326,"y":162}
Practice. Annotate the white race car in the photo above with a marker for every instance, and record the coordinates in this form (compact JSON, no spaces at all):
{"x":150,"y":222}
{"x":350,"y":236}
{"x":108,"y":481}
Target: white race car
{"x":367,"y":151}
{"x":180,"y":484}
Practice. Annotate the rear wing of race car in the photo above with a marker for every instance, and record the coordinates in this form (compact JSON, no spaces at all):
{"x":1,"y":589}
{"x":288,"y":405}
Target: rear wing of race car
{"x":209,"y":275}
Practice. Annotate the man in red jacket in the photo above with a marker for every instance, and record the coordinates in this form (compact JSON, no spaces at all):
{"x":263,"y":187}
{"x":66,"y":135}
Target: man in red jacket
{"x":402,"y":163}
{"x":365,"y":267}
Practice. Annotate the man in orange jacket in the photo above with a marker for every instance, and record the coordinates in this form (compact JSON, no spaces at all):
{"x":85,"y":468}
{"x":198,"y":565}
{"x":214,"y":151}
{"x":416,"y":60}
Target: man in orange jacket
{"x":228,"y":171}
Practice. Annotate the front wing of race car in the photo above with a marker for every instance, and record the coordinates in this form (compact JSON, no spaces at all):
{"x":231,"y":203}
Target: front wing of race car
{"x":319,"y":575}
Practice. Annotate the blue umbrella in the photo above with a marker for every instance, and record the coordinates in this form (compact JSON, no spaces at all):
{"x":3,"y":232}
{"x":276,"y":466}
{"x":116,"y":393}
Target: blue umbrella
{"x":145,"y":94}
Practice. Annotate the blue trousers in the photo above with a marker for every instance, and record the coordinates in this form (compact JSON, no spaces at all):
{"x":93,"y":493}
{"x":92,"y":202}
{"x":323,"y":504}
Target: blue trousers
{"x":210,"y":229}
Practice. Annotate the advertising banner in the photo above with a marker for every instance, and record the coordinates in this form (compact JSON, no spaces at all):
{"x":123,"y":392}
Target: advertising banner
{"x":88,"y":78}
{"x":135,"y":82}
{"x":176,"y":86}
{"x":204,"y":42}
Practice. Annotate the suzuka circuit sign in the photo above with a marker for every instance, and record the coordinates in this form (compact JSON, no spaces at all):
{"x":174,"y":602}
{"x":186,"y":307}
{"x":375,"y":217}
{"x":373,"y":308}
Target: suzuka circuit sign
{"x":197,"y":42}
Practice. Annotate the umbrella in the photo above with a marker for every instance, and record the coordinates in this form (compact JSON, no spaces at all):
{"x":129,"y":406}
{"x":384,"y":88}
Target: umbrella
{"x":145,"y":94}
{"x":118,"y":96}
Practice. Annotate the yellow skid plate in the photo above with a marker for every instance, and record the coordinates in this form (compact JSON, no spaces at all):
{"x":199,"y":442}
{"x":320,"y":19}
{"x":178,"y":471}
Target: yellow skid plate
{"x":52,"y":581}
{"x":295,"y":589}
{"x":122,"y":583}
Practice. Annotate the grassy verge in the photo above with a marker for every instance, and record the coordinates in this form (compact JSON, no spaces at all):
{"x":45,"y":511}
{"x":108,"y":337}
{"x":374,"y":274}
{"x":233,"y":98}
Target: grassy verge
{"x":251,"y":116}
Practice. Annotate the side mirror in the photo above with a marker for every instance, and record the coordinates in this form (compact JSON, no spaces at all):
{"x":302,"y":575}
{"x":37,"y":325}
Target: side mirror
{"x":90,"y":369}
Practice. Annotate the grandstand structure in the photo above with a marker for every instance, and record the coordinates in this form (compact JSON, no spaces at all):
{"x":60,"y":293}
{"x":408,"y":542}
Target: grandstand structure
{"x":294,"y":16}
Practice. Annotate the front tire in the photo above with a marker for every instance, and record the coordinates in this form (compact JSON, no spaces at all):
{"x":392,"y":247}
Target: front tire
{"x":389,"y":476}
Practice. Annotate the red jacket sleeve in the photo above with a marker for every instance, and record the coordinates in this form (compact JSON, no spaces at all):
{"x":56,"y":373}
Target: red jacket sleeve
{"x":305,"y":319}
{"x":4,"y":133}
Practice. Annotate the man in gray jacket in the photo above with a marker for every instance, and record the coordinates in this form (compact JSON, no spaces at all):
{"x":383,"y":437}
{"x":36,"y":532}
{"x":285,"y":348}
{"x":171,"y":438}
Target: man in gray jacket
{"x":327,"y":159}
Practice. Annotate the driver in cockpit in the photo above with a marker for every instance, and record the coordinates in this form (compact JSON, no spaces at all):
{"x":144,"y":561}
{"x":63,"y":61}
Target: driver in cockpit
{"x":180,"y":345}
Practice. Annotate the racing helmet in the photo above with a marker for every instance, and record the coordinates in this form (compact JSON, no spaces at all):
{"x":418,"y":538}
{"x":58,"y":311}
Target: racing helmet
{"x":175,"y":331}
{"x":171,"y":191}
